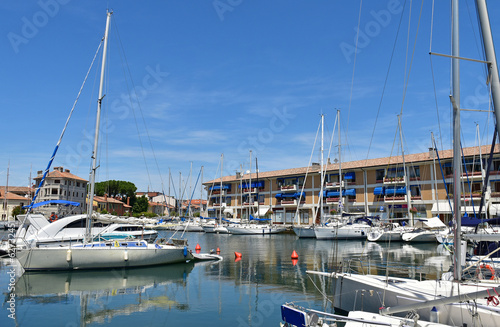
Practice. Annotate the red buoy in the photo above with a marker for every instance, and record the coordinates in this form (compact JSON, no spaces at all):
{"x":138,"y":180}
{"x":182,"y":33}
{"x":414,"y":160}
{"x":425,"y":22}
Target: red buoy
{"x":218,"y":251}
{"x":197,"y":247}
{"x":237,"y":255}
{"x":295,"y":255}
{"x":294,"y":261}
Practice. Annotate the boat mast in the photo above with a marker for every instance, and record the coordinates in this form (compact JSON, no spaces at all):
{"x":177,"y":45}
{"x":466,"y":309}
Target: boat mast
{"x":201,"y":192}
{"x":322,"y":178}
{"x":5,"y":207}
{"x":434,"y":182}
{"x":250,"y":189}
{"x":96,"y":135}
{"x":457,"y":164}
{"x":405,"y":176}
{"x":341,"y":199}
{"x":220,"y":191}
{"x":489,"y":50}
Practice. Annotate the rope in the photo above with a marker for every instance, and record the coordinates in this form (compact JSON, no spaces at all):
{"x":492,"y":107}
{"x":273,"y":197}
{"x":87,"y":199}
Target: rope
{"x":354,"y":63}
{"x":63,"y":131}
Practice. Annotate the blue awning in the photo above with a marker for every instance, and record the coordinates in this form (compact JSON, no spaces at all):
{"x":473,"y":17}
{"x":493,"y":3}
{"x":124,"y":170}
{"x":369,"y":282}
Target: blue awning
{"x":257,"y":184}
{"x":299,"y":194}
{"x":395,"y":190}
{"x":332,"y":194}
{"x":350,"y":175}
{"x":217,"y":187}
{"x":379,"y":191}
{"x":350,"y":192}
{"x":64,"y":202}
{"x":289,"y":195}
{"x":278,"y":196}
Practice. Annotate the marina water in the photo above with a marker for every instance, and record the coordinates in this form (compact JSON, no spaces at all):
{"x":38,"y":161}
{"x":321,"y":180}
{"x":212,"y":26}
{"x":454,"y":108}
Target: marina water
{"x":245,"y":292}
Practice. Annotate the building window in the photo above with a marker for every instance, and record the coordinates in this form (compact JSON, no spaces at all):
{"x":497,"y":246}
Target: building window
{"x":57,"y":181}
{"x":78,"y":184}
{"x":54,"y":191}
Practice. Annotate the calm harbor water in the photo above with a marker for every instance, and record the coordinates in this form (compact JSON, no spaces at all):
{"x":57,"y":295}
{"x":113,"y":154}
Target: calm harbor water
{"x":248,"y":292}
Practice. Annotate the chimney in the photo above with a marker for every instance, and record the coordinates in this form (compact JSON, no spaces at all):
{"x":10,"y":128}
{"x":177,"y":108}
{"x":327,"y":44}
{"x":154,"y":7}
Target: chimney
{"x":128,"y":201}
{"x":106,"y":197}
{"x":66,"y":170}
{"x":432,"y":153}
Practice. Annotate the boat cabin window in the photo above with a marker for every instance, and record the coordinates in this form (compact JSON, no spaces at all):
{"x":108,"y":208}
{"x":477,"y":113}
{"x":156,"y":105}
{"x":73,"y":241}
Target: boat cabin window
{"x":80,"y":223}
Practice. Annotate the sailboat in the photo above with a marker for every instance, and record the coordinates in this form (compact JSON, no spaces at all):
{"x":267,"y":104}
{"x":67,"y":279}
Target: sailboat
{"x":457,"y":302}
{"x":98,"y":255}
{"x":344,"y":227}
{"x":253,"y":226}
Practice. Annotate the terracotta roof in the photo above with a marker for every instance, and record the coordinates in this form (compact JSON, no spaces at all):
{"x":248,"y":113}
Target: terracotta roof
{"x":157,"y":204}
{"x":195,"y":202}
{"x":368,"y":163}
{"x":18,"y":189}
{"x":108,"y":200}
{"x":11,"y":196}
{"x":63,"y":174}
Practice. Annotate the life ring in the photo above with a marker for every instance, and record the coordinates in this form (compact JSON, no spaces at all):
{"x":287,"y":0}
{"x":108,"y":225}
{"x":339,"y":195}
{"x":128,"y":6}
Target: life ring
{"x":490,"y":268}
{"x":53,"y":218}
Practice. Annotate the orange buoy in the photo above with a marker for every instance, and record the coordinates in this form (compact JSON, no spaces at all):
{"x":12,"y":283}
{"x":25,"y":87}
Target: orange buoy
{"x":295,"y":255}
{"x":197,"y":247}
{"x":218,"y":251}
{"x":237,"y":259}
{"x":294,"y":261}
{"x":237,"y":255}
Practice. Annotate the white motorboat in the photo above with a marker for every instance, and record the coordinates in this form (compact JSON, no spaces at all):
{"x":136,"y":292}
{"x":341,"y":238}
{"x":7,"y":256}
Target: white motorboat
{"x":38,"y":231}
{"x":425,"y":230}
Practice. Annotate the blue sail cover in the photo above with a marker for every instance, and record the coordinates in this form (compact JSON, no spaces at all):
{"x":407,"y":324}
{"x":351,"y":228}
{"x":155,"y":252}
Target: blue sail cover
{"x":259,"y":219}
{"x":64,"y":202}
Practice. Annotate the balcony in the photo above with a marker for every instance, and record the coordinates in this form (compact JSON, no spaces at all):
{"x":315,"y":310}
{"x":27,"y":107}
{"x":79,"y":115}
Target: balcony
{"x":394,"y":180}
{"x":250,"y":190}
{"x":219,"y":192}
{"x":289,"y":187}
{"x":395,"y":198}
{"x":219,"y":205}
{"x":330,"y":185}
{"x":251,"y":204}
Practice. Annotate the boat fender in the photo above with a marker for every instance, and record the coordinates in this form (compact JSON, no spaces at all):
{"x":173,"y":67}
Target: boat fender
{"x":68,"y":255}
{"x":125,"y":255}
{"x":185,"y":251}
{"x":434,"y":316}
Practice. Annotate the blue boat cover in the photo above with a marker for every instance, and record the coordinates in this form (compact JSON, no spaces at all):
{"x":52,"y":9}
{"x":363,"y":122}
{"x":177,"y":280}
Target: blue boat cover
{"x":259,"y":219}
{"x":66,"y":203}
{"x":293,"y":316}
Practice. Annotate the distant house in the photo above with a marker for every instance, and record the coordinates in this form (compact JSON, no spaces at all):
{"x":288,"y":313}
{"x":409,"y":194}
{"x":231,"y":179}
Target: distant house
{"x":157,"y":208}
{"x":195,"y":206}
{"x":61,"y":184}
{"x":8,"y":201}
{"x":111,"y":205}
{"x":149,"y":195}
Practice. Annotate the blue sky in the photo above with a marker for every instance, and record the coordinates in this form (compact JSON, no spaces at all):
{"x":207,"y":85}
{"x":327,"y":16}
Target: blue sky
{"x":228,"y":76}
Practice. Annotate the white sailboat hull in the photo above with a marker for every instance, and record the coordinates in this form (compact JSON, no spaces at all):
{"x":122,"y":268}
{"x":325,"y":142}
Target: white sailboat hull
{"x":304,"y":231}
{"x":254,"y":230}
{"x":347,"y":232}
{"x":384,"y":236}
{"x":370,"y":293}
{"x":72,"y":258}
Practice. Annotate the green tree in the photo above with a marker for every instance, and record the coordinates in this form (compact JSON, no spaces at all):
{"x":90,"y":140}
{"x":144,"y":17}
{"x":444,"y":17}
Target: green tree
{"x":140,"y":205}
{"x":126,"y":190}
{"x":17,"y":211}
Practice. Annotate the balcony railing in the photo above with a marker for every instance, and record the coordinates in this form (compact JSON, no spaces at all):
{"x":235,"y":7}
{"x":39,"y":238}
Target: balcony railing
{"x":218,"y":192}
{"x":394,"y":180}
{"x":396,"y":198}
{"x":289,"y":187}
{"x":329,"y":185}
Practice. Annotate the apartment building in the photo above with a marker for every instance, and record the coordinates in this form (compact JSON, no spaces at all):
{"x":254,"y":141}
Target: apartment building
{"x":418,"y":185}
{"x":61,"y":184}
